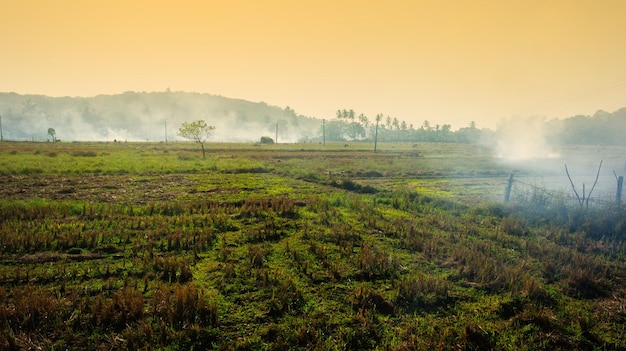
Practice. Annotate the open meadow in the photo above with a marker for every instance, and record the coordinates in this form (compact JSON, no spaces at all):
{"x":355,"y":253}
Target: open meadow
{"x":149,"y":246}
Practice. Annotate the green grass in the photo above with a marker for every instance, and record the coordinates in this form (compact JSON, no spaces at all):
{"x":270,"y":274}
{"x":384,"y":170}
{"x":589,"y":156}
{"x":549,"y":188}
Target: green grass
{"x":260,"y":247}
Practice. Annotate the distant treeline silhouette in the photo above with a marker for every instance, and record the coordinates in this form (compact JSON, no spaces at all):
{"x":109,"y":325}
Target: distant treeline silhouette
{"x":153,"y":116}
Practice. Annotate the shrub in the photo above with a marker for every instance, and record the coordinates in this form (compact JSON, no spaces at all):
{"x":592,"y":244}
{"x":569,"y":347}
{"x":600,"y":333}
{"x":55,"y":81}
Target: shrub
{"x":350,"y":185}
{"x":267,"y":140}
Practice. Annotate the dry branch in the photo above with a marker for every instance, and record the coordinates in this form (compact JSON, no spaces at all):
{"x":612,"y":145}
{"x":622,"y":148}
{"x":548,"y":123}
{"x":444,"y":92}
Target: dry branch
{"x":584,"y":200}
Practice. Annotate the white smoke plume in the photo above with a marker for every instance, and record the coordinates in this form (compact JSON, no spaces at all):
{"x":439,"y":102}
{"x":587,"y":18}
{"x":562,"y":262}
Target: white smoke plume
{"x":522,"y":139}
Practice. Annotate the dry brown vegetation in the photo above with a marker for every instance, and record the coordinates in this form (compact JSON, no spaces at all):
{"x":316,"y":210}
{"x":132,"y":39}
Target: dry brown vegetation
{"x":222,"y":256}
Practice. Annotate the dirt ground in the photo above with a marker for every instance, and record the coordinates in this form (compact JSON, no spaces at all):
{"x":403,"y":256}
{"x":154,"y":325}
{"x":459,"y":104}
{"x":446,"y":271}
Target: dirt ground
{"x":94,"y":188}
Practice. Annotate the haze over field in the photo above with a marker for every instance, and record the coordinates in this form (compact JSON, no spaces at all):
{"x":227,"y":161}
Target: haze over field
{"x":442,"y":61}
{"x":151,"y":117}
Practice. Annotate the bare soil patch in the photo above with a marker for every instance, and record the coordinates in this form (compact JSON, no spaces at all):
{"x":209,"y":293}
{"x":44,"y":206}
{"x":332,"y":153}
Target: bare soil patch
{"x":92,"y":188}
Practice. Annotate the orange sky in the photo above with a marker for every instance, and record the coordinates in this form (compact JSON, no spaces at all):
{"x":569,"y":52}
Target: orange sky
{"x":444,"y":61}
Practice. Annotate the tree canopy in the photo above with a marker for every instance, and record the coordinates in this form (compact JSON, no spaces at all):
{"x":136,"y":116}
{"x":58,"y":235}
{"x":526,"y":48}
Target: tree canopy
{"x":198,"y":131}
{"x":52,"y":133}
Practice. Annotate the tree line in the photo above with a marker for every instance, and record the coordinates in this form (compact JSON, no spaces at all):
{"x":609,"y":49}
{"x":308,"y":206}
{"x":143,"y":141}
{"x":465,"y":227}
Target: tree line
{"x":602,"y":128}
{"x":147,"y":117}
{"x":348,"y":126}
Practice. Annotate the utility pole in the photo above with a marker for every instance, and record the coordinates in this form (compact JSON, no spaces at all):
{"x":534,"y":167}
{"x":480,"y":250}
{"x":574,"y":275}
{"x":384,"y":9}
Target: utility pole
{"x":324,"y":131}
{"x":376,"y":135}
{"x":1,"y":137}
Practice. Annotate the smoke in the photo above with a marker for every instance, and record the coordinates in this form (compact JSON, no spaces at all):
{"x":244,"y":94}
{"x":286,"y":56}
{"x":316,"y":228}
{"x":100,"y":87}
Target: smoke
{"x":523,"y":139}
{"x":532,"y":148}
{"x":146,"y":117}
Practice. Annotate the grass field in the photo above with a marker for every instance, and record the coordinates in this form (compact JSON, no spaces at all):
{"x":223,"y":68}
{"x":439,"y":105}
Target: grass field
{"x":300,"y":246}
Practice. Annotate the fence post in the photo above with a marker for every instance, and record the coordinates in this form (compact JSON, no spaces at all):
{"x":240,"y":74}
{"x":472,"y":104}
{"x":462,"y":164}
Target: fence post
{"x":618,"y":196}
{"x":507,"y":194}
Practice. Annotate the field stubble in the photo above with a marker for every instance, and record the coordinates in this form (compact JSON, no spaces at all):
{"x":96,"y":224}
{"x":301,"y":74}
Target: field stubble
{"x":147,"y":246}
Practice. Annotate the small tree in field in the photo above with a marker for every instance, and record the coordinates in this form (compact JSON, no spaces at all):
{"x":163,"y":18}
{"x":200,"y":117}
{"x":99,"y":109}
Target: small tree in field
{"x":197,"y":131}
{"x":53,"y":134}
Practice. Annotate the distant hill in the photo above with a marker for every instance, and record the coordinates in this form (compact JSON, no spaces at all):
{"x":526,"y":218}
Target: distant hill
{"x":141,"y":116}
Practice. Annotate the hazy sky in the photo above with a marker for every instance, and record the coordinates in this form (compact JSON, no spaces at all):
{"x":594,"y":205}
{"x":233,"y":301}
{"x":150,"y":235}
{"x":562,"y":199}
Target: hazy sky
{"x":442,"y":61}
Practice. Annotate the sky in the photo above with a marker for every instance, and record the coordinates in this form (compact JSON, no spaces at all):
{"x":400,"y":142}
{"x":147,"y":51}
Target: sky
{"x":445,"y":61}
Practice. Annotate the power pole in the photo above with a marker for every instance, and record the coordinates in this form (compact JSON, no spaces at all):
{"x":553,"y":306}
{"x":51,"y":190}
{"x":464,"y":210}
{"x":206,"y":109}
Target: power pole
{"x":324,"y":131}
{"x":376,"y":135}
{"x":1,"y":137}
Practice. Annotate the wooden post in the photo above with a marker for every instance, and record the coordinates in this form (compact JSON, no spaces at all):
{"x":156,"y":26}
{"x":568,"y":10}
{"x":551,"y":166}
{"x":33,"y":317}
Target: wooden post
{"x":507,"y":194}
{"x":618,"y":196}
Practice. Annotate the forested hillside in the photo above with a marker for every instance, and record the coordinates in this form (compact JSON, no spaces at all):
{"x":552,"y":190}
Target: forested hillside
{"x":135,"y":116}
{"x":155,"y":116}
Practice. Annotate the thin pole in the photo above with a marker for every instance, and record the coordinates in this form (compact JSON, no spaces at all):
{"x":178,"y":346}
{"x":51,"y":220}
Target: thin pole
{"x":376,"y":135}
{"x":618,"y":196}
{"x":324,"y":131}
{"x":1,"y":137}
{"x":507,"y":194}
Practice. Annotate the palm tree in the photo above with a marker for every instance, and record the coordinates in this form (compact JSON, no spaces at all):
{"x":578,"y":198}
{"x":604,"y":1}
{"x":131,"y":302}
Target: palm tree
{"x":350,"y":116}
{"x":363,"y":119}
{"x":379,"y":117}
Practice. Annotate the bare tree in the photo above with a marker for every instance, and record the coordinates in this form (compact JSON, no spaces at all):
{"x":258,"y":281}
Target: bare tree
{"x":584,"y":200}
